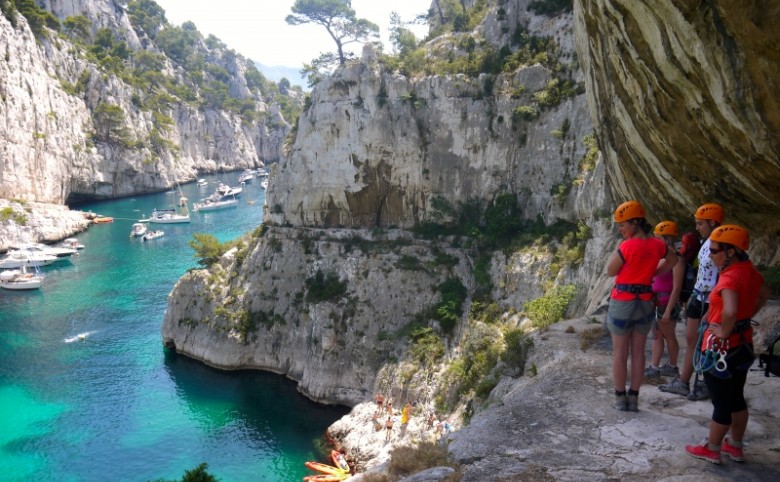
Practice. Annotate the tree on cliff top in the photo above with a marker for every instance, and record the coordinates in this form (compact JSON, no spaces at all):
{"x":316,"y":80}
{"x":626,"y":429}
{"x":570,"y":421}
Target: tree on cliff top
{"x":338,"y":18}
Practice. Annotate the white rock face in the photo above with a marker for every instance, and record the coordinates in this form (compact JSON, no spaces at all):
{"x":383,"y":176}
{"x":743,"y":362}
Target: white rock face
{"x":48,"y":152}
{"x":334,"y":348}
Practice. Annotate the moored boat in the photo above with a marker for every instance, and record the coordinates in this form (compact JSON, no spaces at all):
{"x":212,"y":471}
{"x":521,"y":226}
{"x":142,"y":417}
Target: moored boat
{"x":20,"y":279}
{"x":103,"y":220}
{"x":138,"y":229}
{"x":17,"y":259}
{"x":60,"y":252}
{"x":72,"y":243}
{"x":202,"y":182}
{"x":166,"y":216}
{"x":213,"y":204}
{"x":153,"y":235}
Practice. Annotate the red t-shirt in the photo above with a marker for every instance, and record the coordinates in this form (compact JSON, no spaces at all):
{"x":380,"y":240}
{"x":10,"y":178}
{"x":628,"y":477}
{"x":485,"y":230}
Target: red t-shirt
{"x":640,"y":260}
{"x":743,"y":278}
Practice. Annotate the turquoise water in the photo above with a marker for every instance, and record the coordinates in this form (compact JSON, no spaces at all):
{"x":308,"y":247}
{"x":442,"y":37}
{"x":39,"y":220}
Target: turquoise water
{"x":114,"y":406}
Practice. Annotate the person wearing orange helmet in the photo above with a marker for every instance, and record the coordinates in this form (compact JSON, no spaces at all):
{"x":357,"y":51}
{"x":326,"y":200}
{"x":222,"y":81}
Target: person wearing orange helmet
{"x":667,"y":288}
{"x":727,"y":343}
{"x":631,"y":309}
{"x":708,"y":217}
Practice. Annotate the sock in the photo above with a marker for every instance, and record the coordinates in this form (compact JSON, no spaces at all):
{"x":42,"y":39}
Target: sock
{"x":620,"y":394}
{"x":633,"y":392}
{"x":713,"y":447}
{"x":735,"y":443}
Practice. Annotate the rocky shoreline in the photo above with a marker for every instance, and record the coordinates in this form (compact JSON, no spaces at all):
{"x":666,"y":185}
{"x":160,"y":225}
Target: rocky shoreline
{"x":559,"y":424}
{"x":34,"y":222}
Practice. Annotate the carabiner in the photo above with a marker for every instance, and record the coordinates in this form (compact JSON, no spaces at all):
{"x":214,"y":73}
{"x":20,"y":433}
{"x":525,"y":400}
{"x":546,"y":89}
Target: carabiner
{"x":721,"y":364}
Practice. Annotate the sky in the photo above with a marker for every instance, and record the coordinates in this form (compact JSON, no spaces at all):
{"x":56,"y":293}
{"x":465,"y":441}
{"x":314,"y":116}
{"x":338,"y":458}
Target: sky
{"x":256,"y":28}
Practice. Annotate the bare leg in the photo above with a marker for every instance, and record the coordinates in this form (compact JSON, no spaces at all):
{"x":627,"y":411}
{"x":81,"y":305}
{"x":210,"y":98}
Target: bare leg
{"x":739,"y":421}
{"x":667,"y":329}
{"x":620,"y":360}
{"x":657,"y":348}
{"x":638,"y":342}
{"x":691,"y":336}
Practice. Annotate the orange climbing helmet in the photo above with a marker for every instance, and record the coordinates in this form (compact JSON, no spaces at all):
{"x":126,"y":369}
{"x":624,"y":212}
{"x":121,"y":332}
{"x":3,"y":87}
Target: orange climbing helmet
{"x":629,"y":210}
{"x":667,"y":228}
{"x":732,"y":234}
{"x":711,"y":211}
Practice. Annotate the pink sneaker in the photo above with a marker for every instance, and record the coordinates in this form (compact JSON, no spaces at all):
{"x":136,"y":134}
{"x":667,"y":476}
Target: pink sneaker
{"x":735,"y":453}
{"x":704,"y":453}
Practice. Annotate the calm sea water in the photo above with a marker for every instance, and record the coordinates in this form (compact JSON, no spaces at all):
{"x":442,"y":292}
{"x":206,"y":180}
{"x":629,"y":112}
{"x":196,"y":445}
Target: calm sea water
{"x":114,"y":406}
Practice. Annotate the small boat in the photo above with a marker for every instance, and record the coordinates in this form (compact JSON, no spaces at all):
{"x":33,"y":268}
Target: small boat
{"x":18,"y":259}
{"x":213,"y":204}
{"x":152,"y":235}
{"x":327,"y":469}
{"x":60,"y":252}
{"x":246,"y":176}
{"x":103,"y":220}
{"x":138,"y":229}
{"x":166,"y":216}
{"x":226,"y":191}
{"x":20,"y":279}
{"x":72,"y":243}
{"x":264,"y":183}
{"x":326,"y":478}
{"x":202,"y":182}
{"x":261,"y":172}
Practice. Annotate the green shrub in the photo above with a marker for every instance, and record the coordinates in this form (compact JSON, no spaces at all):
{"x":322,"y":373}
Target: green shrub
{"x":551,"y":307}
{"x":772,"y":279}
{"x":518,"y":346}
{"x":449,"y":310}
{"x":321,"y":287}
{"x":427,"y":347}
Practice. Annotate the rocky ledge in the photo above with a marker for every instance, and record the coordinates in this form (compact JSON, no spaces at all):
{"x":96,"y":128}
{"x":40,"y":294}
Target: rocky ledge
{"x":560,"y":424}
{"x":26,"y":221}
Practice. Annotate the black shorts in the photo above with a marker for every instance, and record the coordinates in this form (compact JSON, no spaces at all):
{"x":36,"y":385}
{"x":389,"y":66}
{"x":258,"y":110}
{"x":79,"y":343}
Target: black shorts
{"x":695,"y":308}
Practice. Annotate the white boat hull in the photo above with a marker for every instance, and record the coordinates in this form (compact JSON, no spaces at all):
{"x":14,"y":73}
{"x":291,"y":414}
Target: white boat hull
{"x":18,"y":280}
{"x":214,"y":206}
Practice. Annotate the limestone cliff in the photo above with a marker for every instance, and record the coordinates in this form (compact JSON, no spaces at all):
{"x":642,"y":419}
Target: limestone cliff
{"x":683,"y":94}
{"x":59,"y":142}
{"x":378,"y":153}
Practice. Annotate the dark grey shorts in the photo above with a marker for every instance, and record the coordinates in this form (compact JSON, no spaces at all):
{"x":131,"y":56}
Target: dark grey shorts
{"x":624,"y":317}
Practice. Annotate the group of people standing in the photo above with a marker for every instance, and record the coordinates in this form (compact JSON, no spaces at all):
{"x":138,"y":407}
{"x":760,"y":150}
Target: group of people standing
{"x":728,"y":292}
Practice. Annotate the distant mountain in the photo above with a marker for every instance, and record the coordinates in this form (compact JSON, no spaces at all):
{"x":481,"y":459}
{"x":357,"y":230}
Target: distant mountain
{"x":276,"y":73}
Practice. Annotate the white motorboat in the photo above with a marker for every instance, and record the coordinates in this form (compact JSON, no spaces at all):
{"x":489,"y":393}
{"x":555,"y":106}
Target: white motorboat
{"x":213,"y":204}
{"x":264,"y":183}
{"x":261,"y":172}
{"x":18,"y":259}
{"x":246,"y":176}
{"x":166,"y":216}
{"x":202,"y":182}
{"x":226,"y":191}
{"x":20,"y":279}
{"x":138,"y":229}
{"x":60,"y":252}
{"x":153,"y":235}
{"x":72,"y":243}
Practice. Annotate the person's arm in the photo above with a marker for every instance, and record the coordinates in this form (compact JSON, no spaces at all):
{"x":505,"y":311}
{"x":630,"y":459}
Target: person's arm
{"x":615,"y":263}
{"x":678,"y":274}
{"x":669,"y":261}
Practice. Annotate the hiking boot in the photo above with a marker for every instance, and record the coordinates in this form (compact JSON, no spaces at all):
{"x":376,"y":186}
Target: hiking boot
{"x":735,"y":453}
{"x":632,"y":403}
{"x":621,"y":403}
{"x":652,"y":372}
{"x":704,"y":453}
{"x":669,"y":371}
{"x":699,"y":392}
{"x":675,"y":386}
